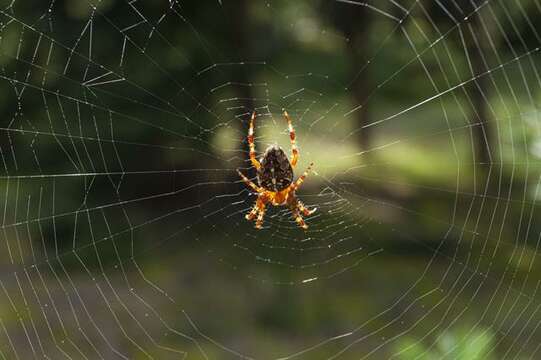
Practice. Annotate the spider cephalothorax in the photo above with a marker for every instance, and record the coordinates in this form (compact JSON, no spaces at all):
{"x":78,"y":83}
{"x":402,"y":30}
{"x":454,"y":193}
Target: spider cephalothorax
{"x":275,"y":178}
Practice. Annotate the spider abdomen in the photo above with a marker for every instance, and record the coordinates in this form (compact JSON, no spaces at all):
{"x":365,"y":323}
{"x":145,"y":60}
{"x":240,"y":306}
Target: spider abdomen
{"x":275,"y":173}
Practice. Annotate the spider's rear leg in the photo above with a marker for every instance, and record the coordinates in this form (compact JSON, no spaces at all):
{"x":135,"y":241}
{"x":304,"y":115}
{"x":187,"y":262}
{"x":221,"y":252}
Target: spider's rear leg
{"x":251,"y":144}
{"x":249,"y":183}
{"x":294,"y":149}
{"x":295,"y":186}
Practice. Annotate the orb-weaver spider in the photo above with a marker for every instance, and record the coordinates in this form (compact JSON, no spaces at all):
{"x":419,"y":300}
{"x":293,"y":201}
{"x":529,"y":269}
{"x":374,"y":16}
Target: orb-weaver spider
{"x":275,"y":178}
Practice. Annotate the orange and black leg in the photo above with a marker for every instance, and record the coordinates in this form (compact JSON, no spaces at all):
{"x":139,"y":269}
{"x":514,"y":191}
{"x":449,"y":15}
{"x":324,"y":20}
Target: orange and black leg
{"x":296,"y":208}
{"x":294,"y":149}
{"x":249,"y":183}
{"x":298,"y":218}
{"x":253,"y":213}
{"x":260,"y":216}
{"x":304,"y":210}
{"x":251,"y":144}
{"x":258,"y":211}
{"x":295,"y":186}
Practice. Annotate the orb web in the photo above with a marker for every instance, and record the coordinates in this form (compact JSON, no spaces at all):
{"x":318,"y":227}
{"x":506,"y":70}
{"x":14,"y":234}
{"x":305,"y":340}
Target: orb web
{"x":123,"y":229}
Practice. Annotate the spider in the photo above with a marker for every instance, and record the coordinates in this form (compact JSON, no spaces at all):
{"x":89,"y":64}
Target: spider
{"x":275,"y":178}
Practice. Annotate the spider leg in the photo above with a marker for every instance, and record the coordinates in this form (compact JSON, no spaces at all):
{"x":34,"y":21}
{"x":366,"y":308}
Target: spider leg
{"x":249,"y":182}
{"x":251,"y":144}
{"x":294,"y":149}
{"x":260,"y":216}
{"x":304,"y":210}
{"x":258,"y":210}
{"x":298,"y":218}
{"x":295,"y":186}
{"x":296,"y":206}
{"x":252,"y":214}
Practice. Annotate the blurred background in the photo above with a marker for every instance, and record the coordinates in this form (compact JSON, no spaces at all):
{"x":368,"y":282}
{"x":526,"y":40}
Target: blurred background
{"x":123,"y":230}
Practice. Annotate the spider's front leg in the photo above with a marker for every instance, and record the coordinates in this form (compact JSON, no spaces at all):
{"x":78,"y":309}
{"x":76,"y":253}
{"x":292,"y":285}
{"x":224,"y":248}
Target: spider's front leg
{"x":304,"y":210}
{"x":260,"y":204}
{"x":258,"y":210}
{"x":298,"y":218}
{"x":296,"y":207}
{"x":259,"y":220}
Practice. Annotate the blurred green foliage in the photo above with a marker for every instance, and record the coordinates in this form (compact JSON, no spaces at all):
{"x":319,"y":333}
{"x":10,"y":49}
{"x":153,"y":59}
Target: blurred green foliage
{"x":465,"y":344}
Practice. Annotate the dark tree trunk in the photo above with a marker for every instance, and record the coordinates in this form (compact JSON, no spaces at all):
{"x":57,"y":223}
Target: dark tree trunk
{"x":240,"y":35}
{"x":476,"y":43}
{"x":479,"y":91}
{"x":354,"y":23}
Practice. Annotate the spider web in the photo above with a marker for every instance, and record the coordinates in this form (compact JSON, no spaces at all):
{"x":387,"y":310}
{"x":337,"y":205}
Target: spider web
{"x":123,"y":230}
